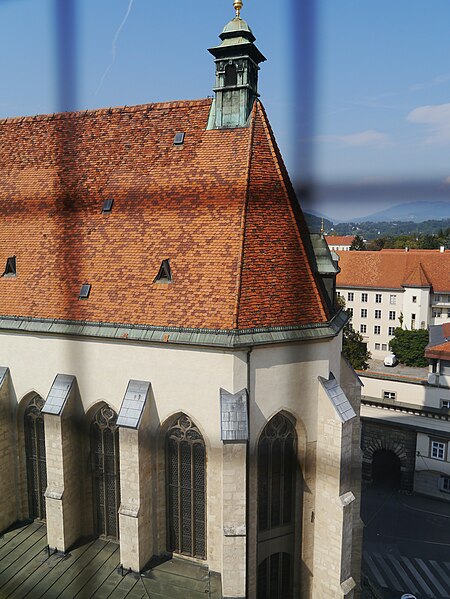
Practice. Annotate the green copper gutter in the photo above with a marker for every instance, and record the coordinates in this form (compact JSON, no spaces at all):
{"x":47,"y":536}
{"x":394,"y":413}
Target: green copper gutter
{"x":228,"y":339}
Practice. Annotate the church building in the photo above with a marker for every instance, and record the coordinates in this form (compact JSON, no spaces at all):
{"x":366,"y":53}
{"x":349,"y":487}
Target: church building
{"x":171,"y":373}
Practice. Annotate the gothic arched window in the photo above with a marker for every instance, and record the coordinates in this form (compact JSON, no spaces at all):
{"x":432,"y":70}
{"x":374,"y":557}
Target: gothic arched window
{"x":35,"y":457}
{"x":277,"y":449}
{"x":106,"y":474}
{"x":186,"y":489}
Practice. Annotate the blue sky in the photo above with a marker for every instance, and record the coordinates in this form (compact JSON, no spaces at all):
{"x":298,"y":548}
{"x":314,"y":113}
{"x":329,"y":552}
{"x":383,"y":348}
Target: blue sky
{"x":381,"y":101}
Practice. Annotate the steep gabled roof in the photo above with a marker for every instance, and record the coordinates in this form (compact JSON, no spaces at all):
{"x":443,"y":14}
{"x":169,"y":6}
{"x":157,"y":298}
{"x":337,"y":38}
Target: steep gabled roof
{"x":219,"y":206}
{"x":417,"y":277}
{"x":392,"y":269}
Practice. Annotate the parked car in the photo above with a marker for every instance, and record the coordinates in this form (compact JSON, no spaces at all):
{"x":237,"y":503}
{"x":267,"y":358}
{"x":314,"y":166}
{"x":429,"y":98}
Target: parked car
{"x":390,"y":360}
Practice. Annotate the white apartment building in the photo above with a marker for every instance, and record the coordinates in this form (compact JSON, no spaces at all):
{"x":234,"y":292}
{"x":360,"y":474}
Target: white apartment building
{"x":391,"y":288}
{"x":405,"y":414}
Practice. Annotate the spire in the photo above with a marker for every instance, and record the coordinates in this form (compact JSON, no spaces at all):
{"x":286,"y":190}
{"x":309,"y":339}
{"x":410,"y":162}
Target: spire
{"x":237,"y":59}
{"x":238,"y":4}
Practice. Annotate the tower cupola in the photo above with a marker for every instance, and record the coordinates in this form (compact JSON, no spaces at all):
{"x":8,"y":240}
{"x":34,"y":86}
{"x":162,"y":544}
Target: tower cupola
{"x":237,"y":62}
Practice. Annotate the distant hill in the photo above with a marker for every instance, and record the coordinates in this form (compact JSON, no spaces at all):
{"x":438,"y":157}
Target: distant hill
{"x":315,"y":222}
{"x":416,"y":212}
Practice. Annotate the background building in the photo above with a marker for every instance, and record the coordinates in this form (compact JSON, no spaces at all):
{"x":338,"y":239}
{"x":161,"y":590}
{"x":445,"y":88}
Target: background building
{"x":339,"y":243}
{"x":405,"y":415}
{"x":385,"y":289}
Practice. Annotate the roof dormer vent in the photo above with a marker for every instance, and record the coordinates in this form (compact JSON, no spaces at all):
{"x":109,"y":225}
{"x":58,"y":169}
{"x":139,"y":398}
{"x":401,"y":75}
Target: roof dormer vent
{"x":10,"y":267}
{"x":178,"y":140}
{"x":84,"y":291}
{"x":164,"y":274}
{"x":107,"y":206}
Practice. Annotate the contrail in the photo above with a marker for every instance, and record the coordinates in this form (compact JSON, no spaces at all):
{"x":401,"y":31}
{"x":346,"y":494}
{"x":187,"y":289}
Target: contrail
{"x":114,"y":45}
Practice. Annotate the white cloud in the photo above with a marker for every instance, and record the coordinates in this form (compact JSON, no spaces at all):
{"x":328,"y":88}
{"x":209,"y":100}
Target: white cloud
{"x":363,"y":138}
{"x":436,"y":118}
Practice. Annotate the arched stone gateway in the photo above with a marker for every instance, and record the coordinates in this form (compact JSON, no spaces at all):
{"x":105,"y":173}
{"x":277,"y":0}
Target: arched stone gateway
{"x":388,"y":455}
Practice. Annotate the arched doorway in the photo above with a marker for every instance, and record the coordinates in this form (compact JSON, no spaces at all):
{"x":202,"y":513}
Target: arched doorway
{"x":106,"y":472}
{"x":386,"y":469}
{"x":277,"y":457}
{"x":35,"y":457}
{"x":186,"y":489}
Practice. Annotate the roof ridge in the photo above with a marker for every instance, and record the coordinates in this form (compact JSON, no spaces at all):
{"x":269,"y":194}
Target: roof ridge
{"x":147,"y":107}
{"x":244,"y":215}
{"x":285,"y":181}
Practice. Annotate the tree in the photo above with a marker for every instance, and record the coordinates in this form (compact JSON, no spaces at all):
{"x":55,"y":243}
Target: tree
{"x":409,"y":346}
{"x":354,"y":348}
{"x":358,"y":243}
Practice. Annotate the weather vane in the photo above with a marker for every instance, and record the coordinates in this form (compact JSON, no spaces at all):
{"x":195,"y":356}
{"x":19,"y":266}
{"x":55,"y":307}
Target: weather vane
{"x":238,"y":4}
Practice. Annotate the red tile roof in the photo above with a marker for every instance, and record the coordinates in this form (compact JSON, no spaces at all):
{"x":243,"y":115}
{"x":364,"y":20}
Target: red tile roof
{"x":220,"y":207}
{"x":339,"y":239}
{"x":390,"y":269}
{"x":439,"y":352}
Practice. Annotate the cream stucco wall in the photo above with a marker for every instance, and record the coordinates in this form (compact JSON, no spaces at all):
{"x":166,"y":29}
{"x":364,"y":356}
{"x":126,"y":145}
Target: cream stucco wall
{"x":413,"y":392}
{"x":186,"y":379}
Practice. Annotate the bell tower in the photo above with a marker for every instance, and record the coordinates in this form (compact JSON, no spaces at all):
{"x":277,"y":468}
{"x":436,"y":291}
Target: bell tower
{"x":237,"y":59}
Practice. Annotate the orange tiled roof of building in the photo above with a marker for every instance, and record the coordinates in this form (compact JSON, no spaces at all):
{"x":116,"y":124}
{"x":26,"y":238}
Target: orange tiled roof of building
{"x":339,"y":239}
{"x":391,"y":269}
{"x":220,"y":207}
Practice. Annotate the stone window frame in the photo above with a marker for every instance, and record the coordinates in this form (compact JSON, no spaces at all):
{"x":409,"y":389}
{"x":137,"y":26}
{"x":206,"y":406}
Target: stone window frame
{"x":378,"y":314}
{"x":389,"y":395}
{"x":435,"y":443}
{"x":350,"y":311}
{"x":364,"y":297}
{"x":377,"y":329}
{"x":445,"y":401}
{"x":444,"y":484}
{"x":391,"y":331}
{"x":392,"y":314}
{"x":350,"y":296}
{"x":363,"y":312}
{"x":378,"y":298}
{"x":393,"y":300}
{"x":377,"y":346}
{"x":363,"y":328}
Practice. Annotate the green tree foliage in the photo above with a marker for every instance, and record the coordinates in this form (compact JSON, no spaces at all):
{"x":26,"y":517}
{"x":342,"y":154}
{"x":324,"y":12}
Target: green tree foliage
{"x":358,"y":243}
{"x":409,"y":346}
{"x":354,"y":348}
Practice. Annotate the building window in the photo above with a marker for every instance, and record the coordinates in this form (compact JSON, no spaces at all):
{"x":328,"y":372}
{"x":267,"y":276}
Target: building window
{"x":35,"y":458}
{"x":384,"y":346}
{"x":186,"y":489}
{"x":445,"y":403}
{"x":438,"y":450}
{"x":364,"y":313}
{"x":436,"y":313}
{"x":393,"y":299}
{"x":444,"y":484}
{"x":392,"y":315}
{"x":338,"y":293}
{"x":377,"y":313}
{"x":364,"y":297}
{"x":106,"y":472}
{"x":350,"y":311}
{"x":389,"y":395}
{"x":414,"y":299}
{"x":378,"y":298}
{"x":391,"y":331}
{"x":377,"y":329}
{"x":363,"y":328}
{"x":377,"y":346}
{"x":350,"y":296}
